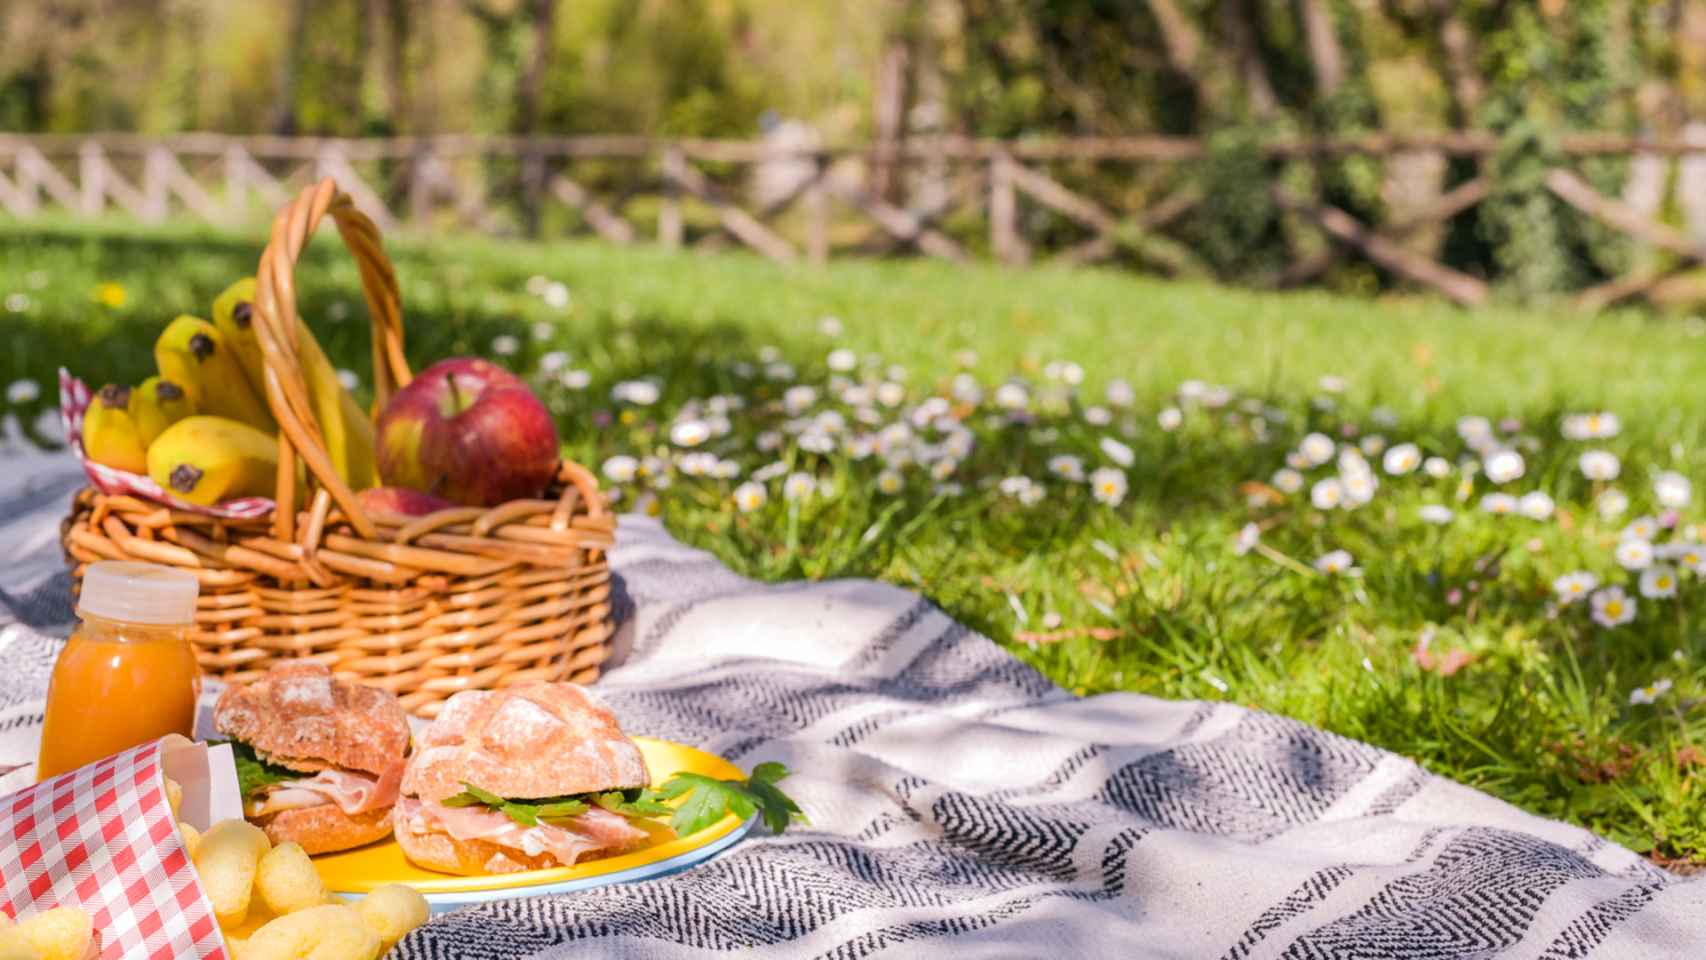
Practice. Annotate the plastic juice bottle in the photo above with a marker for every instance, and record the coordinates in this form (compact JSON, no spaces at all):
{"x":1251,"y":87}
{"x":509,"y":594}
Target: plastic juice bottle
{"x":128,"y":674}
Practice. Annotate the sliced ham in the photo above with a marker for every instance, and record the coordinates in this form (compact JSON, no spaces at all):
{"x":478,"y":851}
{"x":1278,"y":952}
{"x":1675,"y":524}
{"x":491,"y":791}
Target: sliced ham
{"x":353,"y":792}
{"x":595,"y":831}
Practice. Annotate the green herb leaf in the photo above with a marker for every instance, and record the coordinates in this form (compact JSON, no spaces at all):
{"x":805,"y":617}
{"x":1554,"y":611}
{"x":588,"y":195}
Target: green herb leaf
{"x":562,"y":809}
{"x":709,"y":799}
{"x":255,"y":774}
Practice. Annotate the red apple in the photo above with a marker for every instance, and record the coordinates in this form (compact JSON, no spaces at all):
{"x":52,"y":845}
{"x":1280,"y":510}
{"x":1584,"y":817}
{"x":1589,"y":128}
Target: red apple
{"x":468,"y":431}
{"x":398,"y":500}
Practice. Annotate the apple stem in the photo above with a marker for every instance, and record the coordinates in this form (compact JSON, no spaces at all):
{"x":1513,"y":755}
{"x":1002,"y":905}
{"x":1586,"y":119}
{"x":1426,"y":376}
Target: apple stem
{"x":455,"y":393}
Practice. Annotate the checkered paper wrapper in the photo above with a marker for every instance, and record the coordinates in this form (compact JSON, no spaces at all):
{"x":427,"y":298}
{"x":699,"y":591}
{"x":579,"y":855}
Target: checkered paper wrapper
{"x":103,"y":838}
{"x":74,"y":400}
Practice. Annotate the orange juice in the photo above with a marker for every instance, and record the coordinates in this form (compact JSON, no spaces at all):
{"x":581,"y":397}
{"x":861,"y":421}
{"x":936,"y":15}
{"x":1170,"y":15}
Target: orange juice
{"x":128,"y":674}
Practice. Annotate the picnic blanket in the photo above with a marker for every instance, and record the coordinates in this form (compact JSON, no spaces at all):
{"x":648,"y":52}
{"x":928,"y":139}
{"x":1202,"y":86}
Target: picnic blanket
{"x":962,"y":805}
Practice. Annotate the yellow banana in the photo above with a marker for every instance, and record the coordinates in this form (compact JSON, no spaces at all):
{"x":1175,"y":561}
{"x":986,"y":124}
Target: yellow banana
{"x":193,"y":354}
{"x":157,"y":404}
{"x":209,"y":459}
{"x":347,"y":430}
{"x":110,"y":436}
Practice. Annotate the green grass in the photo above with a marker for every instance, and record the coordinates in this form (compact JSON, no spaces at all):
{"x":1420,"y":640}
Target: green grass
{"x":1149,"y":595}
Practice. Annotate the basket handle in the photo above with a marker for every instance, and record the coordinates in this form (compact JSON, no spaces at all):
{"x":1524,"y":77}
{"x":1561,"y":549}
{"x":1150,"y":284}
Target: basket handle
{"x":275,"y":321}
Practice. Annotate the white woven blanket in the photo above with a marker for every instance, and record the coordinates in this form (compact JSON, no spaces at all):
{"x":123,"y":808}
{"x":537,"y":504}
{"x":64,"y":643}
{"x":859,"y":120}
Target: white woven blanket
{"x":963,"y":806}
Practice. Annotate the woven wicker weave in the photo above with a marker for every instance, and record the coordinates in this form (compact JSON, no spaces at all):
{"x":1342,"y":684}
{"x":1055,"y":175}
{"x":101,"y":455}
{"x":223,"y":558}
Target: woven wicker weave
{"x":465,"y":598}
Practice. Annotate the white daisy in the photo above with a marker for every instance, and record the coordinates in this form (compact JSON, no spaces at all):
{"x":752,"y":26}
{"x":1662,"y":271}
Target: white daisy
{"x":1672,"y":489}
{"x":778,"y":371}
{"x":1327,"y":494}
{"x":1612,"y":607}
{"x":1332,"y":383}
{"x":1437,"y":467}
{"x":769,"y":471}
{"x":1402,"y":459}
{"x":1066,"y":467}
{"x":1474,"y":431}
{"x":689,"y":433}
{"x":1689,"y":555}
{"x":1435,"y":513}
{"x":348,"y":379}
{"x":556,"y":296}
{"x":1108,"y":485}
{"x":1503,"y":466}
{"x":769,"y":441}
{"x":943,"y":468}
{"x":1316,"y":448}
{"x":1590,"y":426}
{"x":20,"y":392}
{"x":1573,"y":586}
{"x":890,"y":394}
{"x":797,"y":400}
{"x":1634,"y":553}
{"x":1012,"y":396}
{"x":829,"y":326}
{"x":1384,"y":417}
{"x":1360,"y":486}
{"x":1248,"y":536}
{"x":1498,"y":504}
{"x":1032,"y":495}
{"x":505,"y":345}
{"x":965,"y":389}
{"x":799,"y":486}
{"x":726,"y":470}
{"x":890,"y":482}
{"x":1116,"y":451}
{"x":621,"y":468}
{"x":1642,"y":528}
{"x":1651,"y":693}
{"x":1169,"y":419}
{"x":1599,"y":464}
{"x":1658,"y":580}
{"x":640,"y":393}
{"x":1335,"y":562}
{"x":553,"y":361}
{"x":1014,"y":485}
{"x":1287,"y":480}
{"x":697,"y":464}
{"x":17,"y":302}
{"x":1612,"y":503}
{"x":542,"y":330}
{"x":1119,"y":394}
{"x":1372,"y":444}
{"x":1535,"y":505}
{"x":1098,"y":416}
{"x":575,"y":379}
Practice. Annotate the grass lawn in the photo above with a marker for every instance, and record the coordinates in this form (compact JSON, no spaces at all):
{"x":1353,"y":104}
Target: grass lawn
{"x":1445,"y":641}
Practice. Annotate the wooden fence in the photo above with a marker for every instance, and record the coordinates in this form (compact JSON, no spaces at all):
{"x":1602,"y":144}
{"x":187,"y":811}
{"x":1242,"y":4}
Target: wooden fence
{"x":791,"y":204}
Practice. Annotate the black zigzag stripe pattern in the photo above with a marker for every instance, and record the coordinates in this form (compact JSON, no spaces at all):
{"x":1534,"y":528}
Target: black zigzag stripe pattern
{"x":1478,"y":896}
{"x":1267,"y":774}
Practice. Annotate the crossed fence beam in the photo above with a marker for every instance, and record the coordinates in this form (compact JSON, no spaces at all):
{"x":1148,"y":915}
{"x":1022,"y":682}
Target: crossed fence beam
{"x":698,"y":198}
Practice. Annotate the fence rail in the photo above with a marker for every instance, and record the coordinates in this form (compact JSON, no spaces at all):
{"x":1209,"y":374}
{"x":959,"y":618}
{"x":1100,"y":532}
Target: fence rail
{"x":795,"y":202}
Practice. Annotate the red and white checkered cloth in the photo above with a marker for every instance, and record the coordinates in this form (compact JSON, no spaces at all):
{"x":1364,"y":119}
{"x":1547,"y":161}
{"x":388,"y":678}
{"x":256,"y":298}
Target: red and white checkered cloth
{"x":74,"y":398}
{"x":103,"y":838}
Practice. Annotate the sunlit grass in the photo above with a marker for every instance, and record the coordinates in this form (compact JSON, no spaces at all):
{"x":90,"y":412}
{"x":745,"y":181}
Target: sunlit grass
{"x":1148,"y":595}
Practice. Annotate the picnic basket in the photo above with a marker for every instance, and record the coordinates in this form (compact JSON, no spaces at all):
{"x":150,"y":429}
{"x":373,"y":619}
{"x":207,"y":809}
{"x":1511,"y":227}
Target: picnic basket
{"x":465,"y":598}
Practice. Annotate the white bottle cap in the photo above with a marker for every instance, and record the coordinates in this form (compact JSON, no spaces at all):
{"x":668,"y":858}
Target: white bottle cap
{"x":138,"y":592}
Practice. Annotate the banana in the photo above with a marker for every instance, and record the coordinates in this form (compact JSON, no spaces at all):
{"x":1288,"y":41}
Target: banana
{"x":110,"y":436}
{"x":209,"y":459}
{"x":157,"y":404}
{"x":193,"y":354}
{"x":347,"y":430}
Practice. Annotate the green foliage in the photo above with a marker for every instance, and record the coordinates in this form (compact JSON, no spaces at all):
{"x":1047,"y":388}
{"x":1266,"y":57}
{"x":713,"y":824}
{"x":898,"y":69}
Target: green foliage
{"x":254,"y":774}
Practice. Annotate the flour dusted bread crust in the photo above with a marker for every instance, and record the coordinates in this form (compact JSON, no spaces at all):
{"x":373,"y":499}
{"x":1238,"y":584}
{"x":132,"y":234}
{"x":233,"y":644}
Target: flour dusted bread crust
{"x":300,"y":716}
{"x":469,"y":858}
{"x":525,"y":742}
{"x":326,"y":828}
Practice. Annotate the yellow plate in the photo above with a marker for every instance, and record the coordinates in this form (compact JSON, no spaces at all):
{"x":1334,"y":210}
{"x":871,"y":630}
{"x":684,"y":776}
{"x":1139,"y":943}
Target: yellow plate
{"x":360,"y":870}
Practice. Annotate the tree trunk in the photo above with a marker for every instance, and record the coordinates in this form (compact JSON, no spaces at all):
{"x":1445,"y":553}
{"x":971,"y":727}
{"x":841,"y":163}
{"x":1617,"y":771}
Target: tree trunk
{"x":1236,"y":17}
{"x":1457,"y":45}
{"x":543,"y":13}
{"x":1179,"y":36}
{"x":284,"y":97}
{"x":888,"y":114}
{"x":1326,"y":57}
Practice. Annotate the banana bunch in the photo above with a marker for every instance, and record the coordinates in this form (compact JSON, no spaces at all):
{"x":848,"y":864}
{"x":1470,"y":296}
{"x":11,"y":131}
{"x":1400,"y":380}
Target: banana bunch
{"x":203,"y":429}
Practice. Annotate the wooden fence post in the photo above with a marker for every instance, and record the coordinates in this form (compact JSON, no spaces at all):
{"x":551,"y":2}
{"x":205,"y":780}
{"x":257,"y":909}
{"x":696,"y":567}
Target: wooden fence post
{"x":817,"y":213}
{"x":670,"y":228}
{"x":91,"y":179}
{"x":1004,"y":239}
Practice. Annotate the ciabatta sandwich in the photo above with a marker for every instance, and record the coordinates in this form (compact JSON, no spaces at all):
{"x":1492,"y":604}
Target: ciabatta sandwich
{"x":521,"y":779}
{"x":319,"y":760}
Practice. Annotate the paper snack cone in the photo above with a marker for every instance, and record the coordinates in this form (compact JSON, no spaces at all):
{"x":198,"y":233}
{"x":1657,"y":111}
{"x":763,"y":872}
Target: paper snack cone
{"x":103,"y":838}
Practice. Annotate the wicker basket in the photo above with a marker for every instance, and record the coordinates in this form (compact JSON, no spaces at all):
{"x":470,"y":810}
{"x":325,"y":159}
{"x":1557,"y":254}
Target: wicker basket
{"x":465,"y":598}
